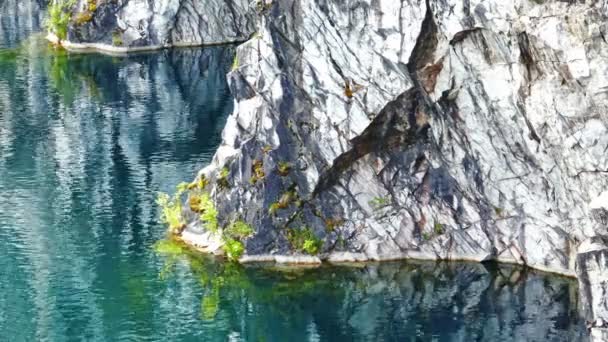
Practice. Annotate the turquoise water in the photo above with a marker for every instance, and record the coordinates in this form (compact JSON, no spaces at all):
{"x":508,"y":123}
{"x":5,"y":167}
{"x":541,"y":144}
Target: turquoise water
{"x":86,"y":141}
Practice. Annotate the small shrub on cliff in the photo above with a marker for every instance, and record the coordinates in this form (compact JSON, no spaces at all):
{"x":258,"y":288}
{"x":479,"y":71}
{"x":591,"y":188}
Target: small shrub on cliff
{"x":233,"y":249}
{"x":378,"y":202}
{"x":238,"y":229}
{"x":438,"y":228}
{"x":304,"y":240}
{"x":194,"y":201}
{"x":59,"y":17}
{"x":222,"y":178}
{"x":199,"y":184}
{"x":171,"y":212}
{"x":284,"y":201}
{"x":83,"y":18}
{"x":257,"y":170}
{"x":86,"y":15}
{"x":284,"y":168}
{"x":92,"y":5}
{"x":208,"y":212}
{"x":234,"y":233}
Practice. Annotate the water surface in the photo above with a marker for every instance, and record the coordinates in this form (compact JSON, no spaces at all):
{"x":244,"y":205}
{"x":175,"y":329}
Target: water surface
{"x":86,"y":141}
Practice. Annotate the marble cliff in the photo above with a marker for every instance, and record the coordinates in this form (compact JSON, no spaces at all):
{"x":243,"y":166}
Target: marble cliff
{"x":445,"y":129}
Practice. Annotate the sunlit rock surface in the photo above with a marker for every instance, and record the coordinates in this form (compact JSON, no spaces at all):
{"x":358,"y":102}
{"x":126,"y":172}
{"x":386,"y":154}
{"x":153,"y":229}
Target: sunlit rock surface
{"x":592,"y":269}
{"x":441,"y":129}
{"x":447,"y":130}
{"x":429,"y":129}
{"x":161,"y":23}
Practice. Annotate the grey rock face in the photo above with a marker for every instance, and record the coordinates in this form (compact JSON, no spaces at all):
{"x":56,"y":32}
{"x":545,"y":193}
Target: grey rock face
{"x":592,"y":271}
{"x":443,"y":130}
{"x":405,"y":129}
{"x":439,"y":129}
{"x":155,"y":23}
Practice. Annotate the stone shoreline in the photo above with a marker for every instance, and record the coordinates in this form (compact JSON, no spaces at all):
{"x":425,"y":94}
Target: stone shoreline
{"x":590,"y":285}
{"x":201,"y":243}
{"x":111,"y":50}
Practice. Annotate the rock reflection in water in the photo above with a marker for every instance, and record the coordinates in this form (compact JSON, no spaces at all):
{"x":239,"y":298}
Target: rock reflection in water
{"x":394,"y":301}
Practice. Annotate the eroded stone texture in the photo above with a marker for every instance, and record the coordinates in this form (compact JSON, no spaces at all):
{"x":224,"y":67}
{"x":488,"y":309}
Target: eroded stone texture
{"x":156,"y":23}
{"x":592,"y":272}
{"x":448,"y":129}
{"x":440,"y":130}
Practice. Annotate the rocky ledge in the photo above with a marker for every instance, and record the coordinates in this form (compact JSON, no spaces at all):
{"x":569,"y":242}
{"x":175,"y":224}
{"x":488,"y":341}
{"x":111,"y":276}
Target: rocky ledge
{"x":383,"y":129}
{"x":138,"y":25}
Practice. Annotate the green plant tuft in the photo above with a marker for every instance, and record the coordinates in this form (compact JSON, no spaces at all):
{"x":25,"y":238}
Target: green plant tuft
{"x":438,"y":228}
{"x":233,"y":249}
{"x":235,"y":63}
{"x":284,"y":201}
{"x":199,"y":184}
{"x":59,"y":17}
{"x":378,"y":202}
{"x":238,"y":229}
{"x":208,"y":212}
{"x":117,"y":38}
{"x":273,"y":209}
{"x":83,"y":18}
{"x":304,"y":240}
{"x":266,"y":149}
{"x":332,"y":223}
{"x":171,"y":212}
{"x":222,"y":178}
{"x":257,"y":170}
{"x":233,"y":237}
{"x":283,"y":168}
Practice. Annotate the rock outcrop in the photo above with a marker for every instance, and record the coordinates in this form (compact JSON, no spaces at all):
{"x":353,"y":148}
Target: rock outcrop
{"x":411,"y":129}
{"x":131,"y":25}
{"x":592,"y":271}
{"x":436,"y":129}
